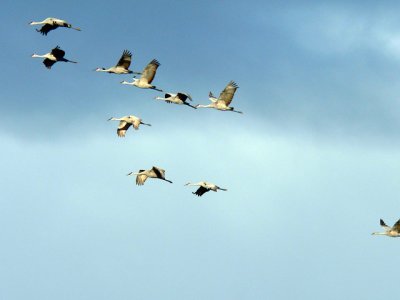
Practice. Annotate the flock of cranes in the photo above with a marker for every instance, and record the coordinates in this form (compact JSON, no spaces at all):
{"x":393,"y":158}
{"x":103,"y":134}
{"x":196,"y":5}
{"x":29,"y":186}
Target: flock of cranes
{"x":145,"y":82}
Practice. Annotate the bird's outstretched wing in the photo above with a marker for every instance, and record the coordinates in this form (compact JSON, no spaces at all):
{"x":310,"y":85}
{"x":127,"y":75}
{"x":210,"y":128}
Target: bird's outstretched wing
{"x":150,"y":71}
{"x":122,"y":128}
{"x":167,"y":95}
{"x":159,"y":172}
{"x":383,"y":224}
{"x":184,"y":96}
{"x":227,"y":94}
{"x":48,"y":63}
{"x":140,"y":179}
{"x":396,"y":226}
{"x":200,"y":191}
{"x":47,"y":28}
{"x":57,"y":52}
{"x":125,"y":60}
{"x":136,"y":123}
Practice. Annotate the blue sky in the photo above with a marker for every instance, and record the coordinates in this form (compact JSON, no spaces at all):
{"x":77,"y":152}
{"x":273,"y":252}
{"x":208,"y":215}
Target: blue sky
{"x":310,"y":166}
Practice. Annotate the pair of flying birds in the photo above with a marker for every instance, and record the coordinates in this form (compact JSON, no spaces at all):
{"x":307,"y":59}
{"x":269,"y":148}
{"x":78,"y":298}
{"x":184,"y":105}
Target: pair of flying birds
{"x":159,"y":173}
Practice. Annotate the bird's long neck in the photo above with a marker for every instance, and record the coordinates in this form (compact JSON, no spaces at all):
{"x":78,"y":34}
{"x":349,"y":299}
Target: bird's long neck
{"x":379,"y":233}
{"x":204,"y":106}
{"x":36,"y":23}
{"x":102,"y":70}
{"x":192,"y":184}
{"x":39,"y":56}
{"x":160,"y":98}
{"x":129,"y":83}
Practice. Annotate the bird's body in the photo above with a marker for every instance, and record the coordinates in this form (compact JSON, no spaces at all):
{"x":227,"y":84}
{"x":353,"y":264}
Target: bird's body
{"x":50,"y":24}
{"x":146,"y":78}
{"x":52,"y":57}
{"x":224,"y":99}
{"x":178,"y":98}
{"x":126,"y":122}
{"x":122,"y":67}
{"x":389,"y":231}
{"x":205,"y":187}
{"x":154,"y":172}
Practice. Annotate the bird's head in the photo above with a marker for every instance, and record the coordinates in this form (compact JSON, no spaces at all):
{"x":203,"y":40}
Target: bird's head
{"x":99,"y":69}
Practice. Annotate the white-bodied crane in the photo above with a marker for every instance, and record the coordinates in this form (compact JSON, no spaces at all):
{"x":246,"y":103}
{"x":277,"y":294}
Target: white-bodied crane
{"x":122,"y":67}
{"x":145,"y":80}
{"x":204,"y":187}
{"x":154,"y":172}
{"x":224,"y":99}
{"x":389,"y":231}
{"x":50,"y":24}
{"x":52,"y":57}
{"x":126,"y":122}
{"x":178,"y":98}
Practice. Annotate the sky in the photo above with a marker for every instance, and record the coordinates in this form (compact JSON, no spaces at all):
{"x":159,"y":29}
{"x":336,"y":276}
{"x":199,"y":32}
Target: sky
{"x":310,"y":167}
